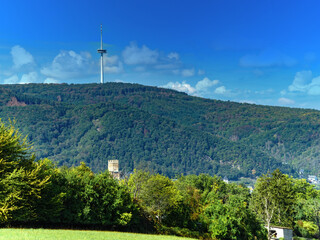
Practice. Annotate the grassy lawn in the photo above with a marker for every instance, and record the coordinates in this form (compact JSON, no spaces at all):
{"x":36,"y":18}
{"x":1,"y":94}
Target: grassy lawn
{"x":47,"y":234}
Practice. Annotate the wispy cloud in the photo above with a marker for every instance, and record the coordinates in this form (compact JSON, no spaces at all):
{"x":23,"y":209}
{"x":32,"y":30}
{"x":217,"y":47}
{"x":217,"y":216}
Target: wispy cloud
{"x":31,"y":77}
{"x":51,"y":80}
{"x":112,"y":64}
{"x":301,"y":81}
{"x":201,"y":72}
{"x":11,"y":80}
{"x":286,"y":101}
{"x":151,"y":60}
{"x":187,"y":72}
{"x":21,"y":57}
{"x":304,"y":82}
{"x":205,"y":84}
{"x":133,"y":55}
{"x":69,"y":64}
{"x":173,"y":55}
{"x":267,"y":58}
{"x":220,"y":90}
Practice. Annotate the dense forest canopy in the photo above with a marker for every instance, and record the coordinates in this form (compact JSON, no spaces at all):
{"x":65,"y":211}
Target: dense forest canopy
{"x":40,"y":194}
{"x":161,"y":130}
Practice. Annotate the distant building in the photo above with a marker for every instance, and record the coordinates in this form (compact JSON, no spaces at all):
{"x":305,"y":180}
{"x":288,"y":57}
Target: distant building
{"x":113,"y":168}
{"x":226,"y":180}
{"x":281,"y":233}
{"x":301,"y":172}
{"x":312,"y":179}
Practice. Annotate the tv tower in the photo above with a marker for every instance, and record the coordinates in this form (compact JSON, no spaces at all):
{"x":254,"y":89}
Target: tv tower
{"x":101,"y":51}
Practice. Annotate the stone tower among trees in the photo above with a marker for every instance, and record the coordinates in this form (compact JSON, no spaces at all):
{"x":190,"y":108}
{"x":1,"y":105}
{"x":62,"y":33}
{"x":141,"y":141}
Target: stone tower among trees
{"x":113,"y":168}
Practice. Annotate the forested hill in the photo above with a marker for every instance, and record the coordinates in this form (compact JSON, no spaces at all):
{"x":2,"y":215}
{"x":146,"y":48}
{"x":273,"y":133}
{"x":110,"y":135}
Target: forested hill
{"x":161,"y":130}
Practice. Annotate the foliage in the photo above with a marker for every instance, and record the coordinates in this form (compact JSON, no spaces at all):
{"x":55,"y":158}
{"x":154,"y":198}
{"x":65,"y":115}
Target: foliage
{"x":39,"y":193}
{"x":274,"y":198}
{"x":21,"y":179}
{"x":160,"y":130}
{"x":157,"y":193}
{"x":136,"y":182}
{"x":233,"y":220}
{"x":228,"y":215}
{"x":311,"y":212}
{"x":307,"y":229}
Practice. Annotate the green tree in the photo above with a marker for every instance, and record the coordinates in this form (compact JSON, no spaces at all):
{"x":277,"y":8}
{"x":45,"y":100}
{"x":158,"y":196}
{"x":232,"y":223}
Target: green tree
{"x":14,"y":149}
{"x":49,"y":206}
{"x":185,"y":214}
{"x":232,"y":220}
{"x":95,"y":199}
{"x":136,"y":182}
{"x":21,"y":179}
{"x":158,"y":195}
{"x":311,"y":212}
{"x":273,"y":199}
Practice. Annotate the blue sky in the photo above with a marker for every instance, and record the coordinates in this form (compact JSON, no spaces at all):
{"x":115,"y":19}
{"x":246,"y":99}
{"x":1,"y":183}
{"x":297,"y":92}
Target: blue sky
{"x":262,"y":52}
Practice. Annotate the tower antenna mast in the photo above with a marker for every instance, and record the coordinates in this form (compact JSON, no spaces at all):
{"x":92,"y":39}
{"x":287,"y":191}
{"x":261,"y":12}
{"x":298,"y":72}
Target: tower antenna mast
{"x":101,"y":51}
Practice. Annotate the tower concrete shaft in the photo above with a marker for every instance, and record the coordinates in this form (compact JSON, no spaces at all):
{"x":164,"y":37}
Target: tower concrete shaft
{"x":102,"y":72}
{"x":101,"y":51}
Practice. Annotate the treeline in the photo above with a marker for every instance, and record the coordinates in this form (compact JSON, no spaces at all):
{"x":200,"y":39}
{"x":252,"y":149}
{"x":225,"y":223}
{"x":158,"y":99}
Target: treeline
{"x":39,"y":194}
{"x":36,"y":193}
{"x":68,"y":123}
{"x":159,"y":130}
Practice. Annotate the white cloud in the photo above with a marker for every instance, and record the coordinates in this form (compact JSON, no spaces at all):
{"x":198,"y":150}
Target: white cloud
{"x":114,"y":69}
{"x":301,"y":81}
{"x":118,"y":68}
{"x":314,"y":89}
{"x":51,"y":80}
{"x":286,"y":101}
{"x":204,"y":84}
{"x":31,"y":77}
{"x":112,"y":64}
{"x":170,"y":62}
{"x":181,"y":87}
{"x":133,"y":55}
{"x":173,"y":55}
{"x":201,"y":88}
{"x":111,"y":60}
{"x":21,"y":57}
{"x":247,"y":101}
{"x":267,"y":58}
{"x":11,"y":80}
{"x":187,"y":72}
{"x":220,"y":90}
{"x":304,"y":82}
{"x":69,"y":64}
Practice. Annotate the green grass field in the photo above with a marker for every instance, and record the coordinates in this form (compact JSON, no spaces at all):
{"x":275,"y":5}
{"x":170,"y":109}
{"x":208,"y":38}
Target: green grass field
{"x":47,"y":234}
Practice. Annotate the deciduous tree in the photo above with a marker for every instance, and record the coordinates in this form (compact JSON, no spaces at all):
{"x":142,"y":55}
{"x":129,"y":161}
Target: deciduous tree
{"x":273,"y":199}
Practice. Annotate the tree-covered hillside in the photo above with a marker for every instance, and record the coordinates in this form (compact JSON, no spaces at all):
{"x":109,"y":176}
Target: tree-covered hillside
{"x":160,"y":130}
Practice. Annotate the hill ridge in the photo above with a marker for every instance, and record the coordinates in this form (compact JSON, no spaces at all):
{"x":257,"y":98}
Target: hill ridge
{"x":161,"y":130}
